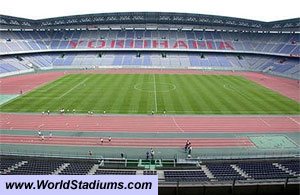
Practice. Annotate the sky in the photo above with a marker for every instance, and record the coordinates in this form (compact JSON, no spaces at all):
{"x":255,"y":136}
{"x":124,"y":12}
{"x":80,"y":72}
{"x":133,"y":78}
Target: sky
{"x":263,"y":10}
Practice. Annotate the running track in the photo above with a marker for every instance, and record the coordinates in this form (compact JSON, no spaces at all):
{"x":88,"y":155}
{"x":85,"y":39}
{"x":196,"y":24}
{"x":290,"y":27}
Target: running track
{"x":13,"y":85}
{"x":179,"y":124}
{"x":126,"y":142}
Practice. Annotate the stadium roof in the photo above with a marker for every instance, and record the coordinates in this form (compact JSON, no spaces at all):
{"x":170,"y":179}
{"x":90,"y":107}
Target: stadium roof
{"x":148,"y":19}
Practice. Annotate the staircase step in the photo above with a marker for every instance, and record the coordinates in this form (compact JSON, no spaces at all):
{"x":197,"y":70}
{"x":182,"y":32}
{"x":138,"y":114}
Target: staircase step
{"x":207,"y":172}
{"x":93,"y":169}
{"x":279,"y":166}
{"x":60,"y":169}
{"x":240,"y":171}
{"x":15,"y":167}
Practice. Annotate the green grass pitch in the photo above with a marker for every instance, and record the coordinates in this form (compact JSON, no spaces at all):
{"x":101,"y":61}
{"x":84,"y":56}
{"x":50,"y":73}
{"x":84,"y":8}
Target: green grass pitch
{"x":141,"y":93}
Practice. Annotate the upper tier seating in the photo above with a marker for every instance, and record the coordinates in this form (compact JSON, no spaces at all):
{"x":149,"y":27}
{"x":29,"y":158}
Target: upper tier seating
{"x":195,"y":40}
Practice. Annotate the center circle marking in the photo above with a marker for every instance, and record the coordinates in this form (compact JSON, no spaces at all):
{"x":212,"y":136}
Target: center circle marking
{"x":149,"y":87}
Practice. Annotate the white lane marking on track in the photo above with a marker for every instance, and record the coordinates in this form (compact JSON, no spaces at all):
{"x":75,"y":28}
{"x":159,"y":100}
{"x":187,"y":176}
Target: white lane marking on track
{"x":177,"y":124}
{"x":265,"y":122}
{"x":294,"y":120}
{"x":41,"y":125}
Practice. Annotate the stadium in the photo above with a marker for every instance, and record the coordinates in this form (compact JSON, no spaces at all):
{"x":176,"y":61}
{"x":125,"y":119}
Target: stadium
{"x":123,"y":93}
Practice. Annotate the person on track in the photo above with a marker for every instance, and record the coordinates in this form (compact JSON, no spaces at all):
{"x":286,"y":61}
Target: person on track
{"x":186,"y":147}
{"x":188,"y":142}
{"x":190,"y":150}
{"x":152,"y":153}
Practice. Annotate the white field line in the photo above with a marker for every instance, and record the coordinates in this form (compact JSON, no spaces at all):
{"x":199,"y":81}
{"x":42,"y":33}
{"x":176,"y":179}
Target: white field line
{"x":237,"y":91}
{"x":294,"y":120}
{"x":265,"y":122}
{"x":47,"y":89}
{"x":155,"y":99}
{"x":175,"y":111}
{"x":73,"y":88}
{"x":177,"y":125}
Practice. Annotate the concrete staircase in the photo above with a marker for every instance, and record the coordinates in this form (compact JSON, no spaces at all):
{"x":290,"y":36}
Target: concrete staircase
{"x":240,"y":171}
{"x":94,"y":169}
{"x":139,"y":172}
{"x":279,"y":166}
{"x":14,"y":167}
{"x":207,"y":172}
{"x":161,"y":175}
{"x":60,"y":169}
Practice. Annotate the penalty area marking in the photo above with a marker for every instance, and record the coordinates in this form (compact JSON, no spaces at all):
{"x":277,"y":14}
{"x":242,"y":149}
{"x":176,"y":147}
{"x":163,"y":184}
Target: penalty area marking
{"x":73,"y":88}
{"x":47,"y":89}
{"x":229,"y":87}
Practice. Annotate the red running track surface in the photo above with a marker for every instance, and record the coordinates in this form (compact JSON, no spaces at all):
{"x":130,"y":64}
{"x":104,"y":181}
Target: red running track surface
{"x":159,"y":124}
{"x":127,"y":142}
{"x":26,"y":83}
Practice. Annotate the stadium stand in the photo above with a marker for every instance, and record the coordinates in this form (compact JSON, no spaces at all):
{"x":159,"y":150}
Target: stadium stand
{"x":62,"y":40}
{"x":149,"y":172}
{"x":212,"y":171}
{"x":264,"y":49}
{"x":36,"y":168}
{"x":185,"y":176}
{"x":114,"y":172}
{"x":7,"y":163}
{"x":224,"y":172}
{"x":288,"y":66}
{"x":263,"y":171}
{"x":76,"y":168}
